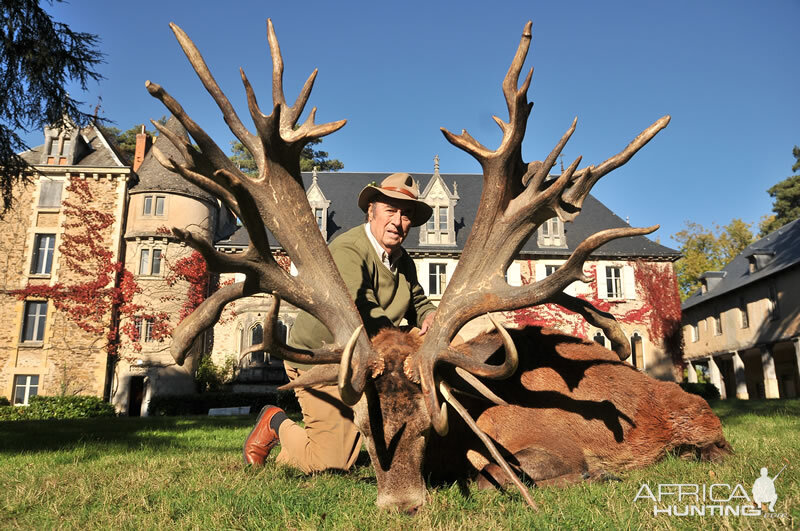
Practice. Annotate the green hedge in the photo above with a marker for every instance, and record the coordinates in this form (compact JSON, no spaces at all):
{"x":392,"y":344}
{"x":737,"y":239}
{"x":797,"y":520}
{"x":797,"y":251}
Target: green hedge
{"x":199,"y":404}
{"x":58,"y":407}
{"x":708,"y":391}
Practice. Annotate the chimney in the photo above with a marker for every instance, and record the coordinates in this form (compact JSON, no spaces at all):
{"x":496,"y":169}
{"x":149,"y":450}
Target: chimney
{"x":143,"y":142}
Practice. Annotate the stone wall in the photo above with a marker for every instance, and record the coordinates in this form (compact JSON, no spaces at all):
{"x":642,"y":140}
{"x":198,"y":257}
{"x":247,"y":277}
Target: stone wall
{"x":69,"y":359}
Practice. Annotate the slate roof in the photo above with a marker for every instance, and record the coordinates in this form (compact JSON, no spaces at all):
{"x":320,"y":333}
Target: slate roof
{"x":784,"y":243}
{"x":153,"y":177}
{"x":343,"y":188}
{"x":101,"y":154}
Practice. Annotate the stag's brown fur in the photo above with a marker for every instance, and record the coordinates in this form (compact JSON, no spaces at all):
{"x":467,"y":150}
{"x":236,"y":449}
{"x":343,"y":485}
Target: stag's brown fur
{"x":394,"y":423}
{"x":576,"y":411}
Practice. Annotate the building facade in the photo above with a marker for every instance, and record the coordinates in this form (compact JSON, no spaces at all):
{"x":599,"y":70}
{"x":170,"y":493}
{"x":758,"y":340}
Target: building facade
{"x":71,"y":212}
{"x":94,"y":280}
{"x":742,"y":328}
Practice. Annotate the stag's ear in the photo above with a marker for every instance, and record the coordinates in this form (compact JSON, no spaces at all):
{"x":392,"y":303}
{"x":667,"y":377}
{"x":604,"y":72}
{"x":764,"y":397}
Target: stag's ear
{"x":316,"y":375}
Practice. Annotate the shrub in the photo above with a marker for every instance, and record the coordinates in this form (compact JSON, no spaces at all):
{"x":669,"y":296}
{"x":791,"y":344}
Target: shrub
{"x":58,"y":407}
{"x":4,"y":401}
{"x":708,"y":391}
{"x":211,"y":377}
{"x":13,"y":413}
{"x":199,"y":404}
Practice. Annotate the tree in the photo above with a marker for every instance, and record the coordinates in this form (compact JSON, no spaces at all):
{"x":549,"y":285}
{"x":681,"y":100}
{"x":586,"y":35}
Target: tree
{"x":38,"y":57}
{"x":786,"y":199}
{"x":708,"y":250}
{"x":309,"y":158}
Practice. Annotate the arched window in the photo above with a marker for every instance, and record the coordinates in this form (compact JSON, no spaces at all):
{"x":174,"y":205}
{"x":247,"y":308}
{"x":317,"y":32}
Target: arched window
{"x":282,"y":331}
{"x":240,"y":344}
{"x":599,"y":338}
{"x":257,"y":337}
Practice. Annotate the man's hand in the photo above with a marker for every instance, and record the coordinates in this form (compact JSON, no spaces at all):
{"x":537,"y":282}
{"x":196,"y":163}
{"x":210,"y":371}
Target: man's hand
{"x":427,"y":323}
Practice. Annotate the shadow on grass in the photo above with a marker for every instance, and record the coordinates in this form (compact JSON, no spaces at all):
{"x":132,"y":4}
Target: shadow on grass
{"x":733,"y":409}
{"x":122,"y":432}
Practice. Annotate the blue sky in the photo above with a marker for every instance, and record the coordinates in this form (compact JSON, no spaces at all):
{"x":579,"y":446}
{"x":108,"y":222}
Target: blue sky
{"x":398,"y":71}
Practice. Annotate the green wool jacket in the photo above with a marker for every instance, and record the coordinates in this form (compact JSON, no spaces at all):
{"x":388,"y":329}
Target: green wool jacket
{"x":383,"y":299}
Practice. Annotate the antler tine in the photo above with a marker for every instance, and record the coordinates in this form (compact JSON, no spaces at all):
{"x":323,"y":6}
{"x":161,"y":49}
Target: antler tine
{"x":279,"y":349}
{"x":602,"y":320}
{"x":210,"y":151}
{"x":204,"y":317}
{"x":197,"y":179}
{"x":200,"y":66}
{"x":305,"y":92}
{"x":514,"y":298}
{"x":550,"y":161}
{"x":585,"y":179}
{"x":277,"y":65}
{"x":448,"y":395}
{"x":478,"y":368}
{"x":215,"y":260}
{"x":261,"y":121}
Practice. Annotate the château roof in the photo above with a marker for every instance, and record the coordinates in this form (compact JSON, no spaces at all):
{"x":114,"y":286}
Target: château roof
{"x":153,"y":177}
{"x":342,"y":189}
{"x":781,"y":250}
{"x":98,"y":151}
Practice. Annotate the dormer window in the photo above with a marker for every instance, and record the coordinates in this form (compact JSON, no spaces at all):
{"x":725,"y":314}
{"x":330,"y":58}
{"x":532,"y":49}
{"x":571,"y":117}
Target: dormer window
{"x":440,"y":228}
{"x":63,"y":146}
{"x":551,"y":234}
{"x":759,"y":259}
{"x":319,"y":204}
{"x":710,"y":280}
{"x":320,"y":217}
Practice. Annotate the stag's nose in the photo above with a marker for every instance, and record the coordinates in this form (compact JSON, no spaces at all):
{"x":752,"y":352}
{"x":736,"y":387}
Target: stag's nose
{"x":412,"y":511}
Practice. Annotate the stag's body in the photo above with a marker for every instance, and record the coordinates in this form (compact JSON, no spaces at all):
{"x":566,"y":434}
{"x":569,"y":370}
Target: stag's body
{"x":575,"y":411}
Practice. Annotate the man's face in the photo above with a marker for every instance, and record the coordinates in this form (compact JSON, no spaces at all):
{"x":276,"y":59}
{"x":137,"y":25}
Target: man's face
{"x":390,"y":221}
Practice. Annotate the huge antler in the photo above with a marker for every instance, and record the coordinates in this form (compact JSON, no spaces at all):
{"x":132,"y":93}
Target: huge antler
{"x":275,"y":198}
{"x":516,"y":199}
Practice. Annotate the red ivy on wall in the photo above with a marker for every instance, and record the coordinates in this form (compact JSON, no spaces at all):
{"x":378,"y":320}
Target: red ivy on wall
{"x":193,"y":270}
{"x":657,"y":306}
{"x":95,"y":291}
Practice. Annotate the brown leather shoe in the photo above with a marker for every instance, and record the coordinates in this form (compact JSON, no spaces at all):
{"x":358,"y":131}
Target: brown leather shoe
{"x":262,"y":438}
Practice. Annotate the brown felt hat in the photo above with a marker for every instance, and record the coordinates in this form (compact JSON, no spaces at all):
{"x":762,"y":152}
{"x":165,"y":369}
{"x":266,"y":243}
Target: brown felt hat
{"x":398,"y":186}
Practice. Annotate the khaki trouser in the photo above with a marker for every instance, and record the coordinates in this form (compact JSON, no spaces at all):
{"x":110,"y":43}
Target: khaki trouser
{"x":330,"y":439}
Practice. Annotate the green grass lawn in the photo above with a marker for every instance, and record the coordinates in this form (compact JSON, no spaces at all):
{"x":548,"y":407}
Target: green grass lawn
{"x":187,"y":473}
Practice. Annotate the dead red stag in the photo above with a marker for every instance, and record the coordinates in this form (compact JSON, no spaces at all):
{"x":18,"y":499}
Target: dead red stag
{"x":392,"y":381}
{"x":594,"y":415}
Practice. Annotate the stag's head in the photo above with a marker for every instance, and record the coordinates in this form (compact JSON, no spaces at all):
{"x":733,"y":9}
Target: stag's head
{"x":393,"y":380}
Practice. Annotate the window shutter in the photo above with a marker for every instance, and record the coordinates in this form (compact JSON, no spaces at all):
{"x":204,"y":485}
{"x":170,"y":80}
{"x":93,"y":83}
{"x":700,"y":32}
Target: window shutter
{"x":540,"y":271}
{"x":448,"y":272}
{"x":602,"y":287}
{"x":513,"y":275}
{"x":629,"y":282}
